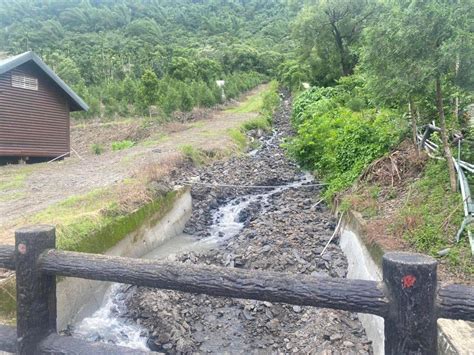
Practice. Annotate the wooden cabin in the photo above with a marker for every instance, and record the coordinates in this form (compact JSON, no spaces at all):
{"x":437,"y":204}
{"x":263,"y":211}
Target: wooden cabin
{"x":34,"y":109}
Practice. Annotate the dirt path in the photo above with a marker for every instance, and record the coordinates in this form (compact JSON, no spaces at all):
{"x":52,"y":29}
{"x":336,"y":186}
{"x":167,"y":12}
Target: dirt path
{"x":27,"y":189}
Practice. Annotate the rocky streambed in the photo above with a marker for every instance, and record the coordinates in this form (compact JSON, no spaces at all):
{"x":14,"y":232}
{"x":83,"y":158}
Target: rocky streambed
{"x":280,"y":229}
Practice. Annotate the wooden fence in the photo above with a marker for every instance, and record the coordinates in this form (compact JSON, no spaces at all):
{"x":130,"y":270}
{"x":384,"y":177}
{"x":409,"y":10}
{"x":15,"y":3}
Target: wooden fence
{"x":409,"y":298}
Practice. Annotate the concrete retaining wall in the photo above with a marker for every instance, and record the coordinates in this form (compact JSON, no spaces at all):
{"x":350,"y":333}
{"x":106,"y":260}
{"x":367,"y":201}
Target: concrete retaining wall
{"x":362,"y":267}
{"x":79,"y":298}
{"x":454,"y":337}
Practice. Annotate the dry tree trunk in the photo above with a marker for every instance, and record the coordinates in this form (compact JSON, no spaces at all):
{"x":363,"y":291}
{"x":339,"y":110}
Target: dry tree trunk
{"x":444,"y":136}
{"x":456,"y":99}
{"x":411,"y":108}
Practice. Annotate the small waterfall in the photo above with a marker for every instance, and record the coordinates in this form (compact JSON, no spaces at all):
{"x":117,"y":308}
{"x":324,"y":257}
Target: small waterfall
{"x":108,"y":324}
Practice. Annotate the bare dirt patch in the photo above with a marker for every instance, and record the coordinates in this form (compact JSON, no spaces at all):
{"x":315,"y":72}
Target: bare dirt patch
{"x":32,"y":188}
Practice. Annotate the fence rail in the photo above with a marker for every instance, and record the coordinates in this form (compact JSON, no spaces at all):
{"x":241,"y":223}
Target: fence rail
{"x":409,"y":298}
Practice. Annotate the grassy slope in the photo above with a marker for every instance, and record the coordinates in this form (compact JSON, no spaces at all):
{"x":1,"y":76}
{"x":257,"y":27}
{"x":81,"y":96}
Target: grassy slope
{"x":432,"y":216}
{"x":421,"y":215}
{"x":11,"y":181}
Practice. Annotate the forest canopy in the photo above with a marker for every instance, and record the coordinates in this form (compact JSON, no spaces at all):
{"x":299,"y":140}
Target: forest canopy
{"x":104,"y":48}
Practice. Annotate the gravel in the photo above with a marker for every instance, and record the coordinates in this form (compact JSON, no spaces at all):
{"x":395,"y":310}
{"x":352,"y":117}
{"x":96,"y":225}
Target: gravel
{"x":283,"y":231}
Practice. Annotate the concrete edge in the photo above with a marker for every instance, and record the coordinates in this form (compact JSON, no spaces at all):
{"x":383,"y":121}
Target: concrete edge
{"x":455,"y":337}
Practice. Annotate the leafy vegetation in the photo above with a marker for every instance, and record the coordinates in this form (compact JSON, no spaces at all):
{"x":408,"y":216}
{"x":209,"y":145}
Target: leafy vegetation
{"x":195,"y":155}
{"x":129,"y":58}
{"x":120,"y":145}
{"x":376,"y":66}
{"x":262,"y":123}
{"x":239,"y":138}
{"x":368,"y":61}
{"x":337,"y":138}
{"x":8,"y":302}
{"x":409,"y":54}
{"x":97,"y":149}
{"x":265,"y":106}
{"x":430,"y":218}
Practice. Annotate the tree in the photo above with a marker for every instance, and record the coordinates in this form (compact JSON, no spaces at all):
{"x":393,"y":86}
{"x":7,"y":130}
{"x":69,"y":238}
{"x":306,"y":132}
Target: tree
{"x":182,"y":69}
{"x":208,"y":70}
{"x":415,"y":42}
{"x":145,"y":29}
{"x":113,"y":43}
{"x":149,"y":88}
{"x":330,"y":28}
{"x":293,"y":74}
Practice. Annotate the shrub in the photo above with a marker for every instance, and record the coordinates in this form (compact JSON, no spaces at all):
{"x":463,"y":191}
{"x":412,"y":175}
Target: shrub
{"x":187,"y":100}
{"x":120,"y":145}
{"x":427,"y":220}
{"x":238,"y":137}
{"x":196,"y":156}
{"x":271,"y":99}
{"x":97,"y":149}
{"x":262,"y":123}
{"x":337,"y":137}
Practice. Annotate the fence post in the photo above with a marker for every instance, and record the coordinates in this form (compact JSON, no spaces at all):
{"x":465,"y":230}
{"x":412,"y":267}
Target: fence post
{"x":410,"y":327}
{"x":36,"y":292}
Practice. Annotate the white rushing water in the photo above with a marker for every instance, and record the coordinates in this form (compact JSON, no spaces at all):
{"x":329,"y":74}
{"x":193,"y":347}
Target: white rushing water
{"x":108,"y":323}
{"x":226,"y":218}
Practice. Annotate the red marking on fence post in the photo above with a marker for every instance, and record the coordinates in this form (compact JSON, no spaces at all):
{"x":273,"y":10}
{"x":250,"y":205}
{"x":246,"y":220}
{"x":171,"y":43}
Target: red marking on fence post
{"x":408,"y":281}
{"x":410,"y":328}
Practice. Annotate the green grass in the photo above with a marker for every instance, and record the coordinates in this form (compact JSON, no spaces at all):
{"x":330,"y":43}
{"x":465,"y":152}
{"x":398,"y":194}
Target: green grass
{"x":432,"y":216}
{"x":253,"y":103}
{"x":11,"y":196}
{"x":156,"y":139}
{"x":265,"y":103}
{"x":198,"y":124}
{"x":260,"y":122}
{"x":97,"y":149}
{"x":8,"y":302}
{"x":14,"y":180}
{"x":94,"y":223}
{"x":195,"y":155}
{"x":120,"y":145}
{"x":239,"y":138}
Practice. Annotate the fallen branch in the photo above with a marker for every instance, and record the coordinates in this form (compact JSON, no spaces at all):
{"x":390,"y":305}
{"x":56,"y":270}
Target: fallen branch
{"x":333,"y":235}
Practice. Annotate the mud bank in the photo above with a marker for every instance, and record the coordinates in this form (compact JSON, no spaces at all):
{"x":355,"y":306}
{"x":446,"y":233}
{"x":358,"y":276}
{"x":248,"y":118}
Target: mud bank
{"x":280,"y":228}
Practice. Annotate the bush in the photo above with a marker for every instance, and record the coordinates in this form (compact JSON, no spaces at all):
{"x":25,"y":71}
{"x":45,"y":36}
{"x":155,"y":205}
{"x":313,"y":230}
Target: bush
{"x":238,"y":137}
{"x":262,"y":123}
{"x":270,"y":100}
{"x":120,"y":145}
{"x":196,"y":156}
{"x":337,"y":142}
{"x":135,"y":96}
{"x":187,"y":100}
{"x":97,"y":149}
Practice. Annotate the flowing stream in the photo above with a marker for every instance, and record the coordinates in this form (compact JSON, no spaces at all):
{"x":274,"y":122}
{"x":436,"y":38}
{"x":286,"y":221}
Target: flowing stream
{"x":109,"y":324}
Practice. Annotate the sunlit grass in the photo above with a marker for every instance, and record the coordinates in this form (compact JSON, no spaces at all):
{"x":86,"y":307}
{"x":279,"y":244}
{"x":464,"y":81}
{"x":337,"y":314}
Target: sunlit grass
{"x":253,"y":103}
{"x":13,"y":180}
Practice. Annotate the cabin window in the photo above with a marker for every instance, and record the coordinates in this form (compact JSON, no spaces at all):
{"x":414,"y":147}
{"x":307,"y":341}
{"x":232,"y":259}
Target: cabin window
{"x":24,"y":82}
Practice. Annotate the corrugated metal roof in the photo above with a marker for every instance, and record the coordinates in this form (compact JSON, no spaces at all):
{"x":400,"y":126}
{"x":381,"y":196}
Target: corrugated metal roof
{"x":13,"y":62}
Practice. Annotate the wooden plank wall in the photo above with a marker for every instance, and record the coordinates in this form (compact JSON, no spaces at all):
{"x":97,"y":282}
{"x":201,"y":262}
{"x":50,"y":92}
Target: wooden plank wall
{"x":33,"y":123}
